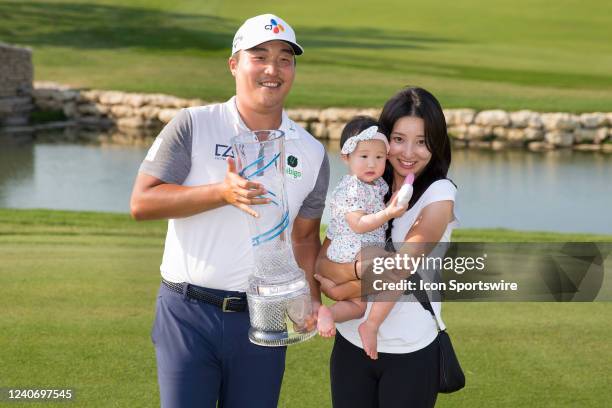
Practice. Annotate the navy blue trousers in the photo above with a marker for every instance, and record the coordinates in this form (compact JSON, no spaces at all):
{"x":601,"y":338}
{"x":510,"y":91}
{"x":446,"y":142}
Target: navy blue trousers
{"x":204,"y":357}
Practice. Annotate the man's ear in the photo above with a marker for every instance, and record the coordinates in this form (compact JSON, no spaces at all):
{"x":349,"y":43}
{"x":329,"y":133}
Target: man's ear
{"x":233,"y":65}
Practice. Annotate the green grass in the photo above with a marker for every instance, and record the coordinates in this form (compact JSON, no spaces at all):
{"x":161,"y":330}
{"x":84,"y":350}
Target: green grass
{"x":512,"y":54}
{"x":77,"y":294}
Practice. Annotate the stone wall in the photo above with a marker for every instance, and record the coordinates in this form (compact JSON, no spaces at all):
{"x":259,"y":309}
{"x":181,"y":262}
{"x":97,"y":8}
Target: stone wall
{"x":16,"y":75}
{"x":142,"y":115}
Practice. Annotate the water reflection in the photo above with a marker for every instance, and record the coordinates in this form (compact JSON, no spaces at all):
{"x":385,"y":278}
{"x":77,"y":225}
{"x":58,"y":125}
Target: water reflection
{"x":552,"y":191}
{"x":16,"y":165}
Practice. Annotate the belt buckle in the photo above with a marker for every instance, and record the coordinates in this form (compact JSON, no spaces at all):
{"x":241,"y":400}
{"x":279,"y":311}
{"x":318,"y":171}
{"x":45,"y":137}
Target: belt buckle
{"x":225,"y":304}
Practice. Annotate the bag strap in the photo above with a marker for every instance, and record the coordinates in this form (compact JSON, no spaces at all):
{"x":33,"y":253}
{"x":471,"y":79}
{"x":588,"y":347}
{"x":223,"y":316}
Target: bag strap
{"x":427,"y":305}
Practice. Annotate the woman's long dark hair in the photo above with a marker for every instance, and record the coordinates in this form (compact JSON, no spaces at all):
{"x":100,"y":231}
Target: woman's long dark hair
{"x":417,"y":102}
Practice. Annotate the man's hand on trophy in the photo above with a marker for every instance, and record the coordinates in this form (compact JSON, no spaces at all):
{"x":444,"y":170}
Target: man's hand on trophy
{"x":240,"y":192}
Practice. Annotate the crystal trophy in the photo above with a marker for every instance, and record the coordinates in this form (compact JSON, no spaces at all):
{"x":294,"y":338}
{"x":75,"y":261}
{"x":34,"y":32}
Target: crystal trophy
{"x":278,"y":294}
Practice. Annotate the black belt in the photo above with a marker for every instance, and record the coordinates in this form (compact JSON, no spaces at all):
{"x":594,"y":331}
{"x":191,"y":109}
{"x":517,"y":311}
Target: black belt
{"x":226,"y":304}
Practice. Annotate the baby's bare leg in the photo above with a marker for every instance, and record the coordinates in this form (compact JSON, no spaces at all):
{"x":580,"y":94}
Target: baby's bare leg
{"x":368,"y":330}
{"x":338,"y":312}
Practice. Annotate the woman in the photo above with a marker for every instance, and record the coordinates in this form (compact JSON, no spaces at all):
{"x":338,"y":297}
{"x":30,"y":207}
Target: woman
{"x":405,"y":370}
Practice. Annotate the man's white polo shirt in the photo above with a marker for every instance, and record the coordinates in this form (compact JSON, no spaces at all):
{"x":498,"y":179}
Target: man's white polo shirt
{"x":213,"y":248}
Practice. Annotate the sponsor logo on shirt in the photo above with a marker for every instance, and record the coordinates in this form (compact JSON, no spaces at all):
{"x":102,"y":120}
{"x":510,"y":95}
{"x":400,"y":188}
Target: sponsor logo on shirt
{"x":222,"y":152}
{"x":293,"y":169}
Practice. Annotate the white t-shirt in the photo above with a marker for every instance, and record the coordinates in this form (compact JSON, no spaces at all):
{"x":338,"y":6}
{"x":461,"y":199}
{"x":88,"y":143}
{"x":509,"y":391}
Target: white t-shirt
{"x":213,"y":248}
{"x":409,"y":327}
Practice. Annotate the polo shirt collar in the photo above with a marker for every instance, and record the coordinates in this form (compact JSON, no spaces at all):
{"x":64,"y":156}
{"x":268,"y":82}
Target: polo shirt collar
{"x":287,"y":125}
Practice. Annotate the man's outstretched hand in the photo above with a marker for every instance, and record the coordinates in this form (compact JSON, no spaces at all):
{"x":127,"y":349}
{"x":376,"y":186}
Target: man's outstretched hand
{"x":241,"y":192}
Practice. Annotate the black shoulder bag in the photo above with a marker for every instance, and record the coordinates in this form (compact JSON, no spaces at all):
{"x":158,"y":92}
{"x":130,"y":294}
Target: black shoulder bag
{"x":451,"y":375}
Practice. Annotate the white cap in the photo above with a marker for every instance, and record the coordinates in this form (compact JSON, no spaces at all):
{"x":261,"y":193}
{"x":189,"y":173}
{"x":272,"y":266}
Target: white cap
{"x":262,"y":28}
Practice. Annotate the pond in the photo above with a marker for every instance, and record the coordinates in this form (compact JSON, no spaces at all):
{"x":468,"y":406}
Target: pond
{"x":559,"y":191}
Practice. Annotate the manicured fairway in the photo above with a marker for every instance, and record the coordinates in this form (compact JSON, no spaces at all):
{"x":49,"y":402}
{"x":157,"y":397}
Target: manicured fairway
{"x":505,"y":54}
{"x":77,"y":294}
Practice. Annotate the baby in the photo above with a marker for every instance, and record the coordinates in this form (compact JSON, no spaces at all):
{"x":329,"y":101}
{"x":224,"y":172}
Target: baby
{"x":359,"y":219}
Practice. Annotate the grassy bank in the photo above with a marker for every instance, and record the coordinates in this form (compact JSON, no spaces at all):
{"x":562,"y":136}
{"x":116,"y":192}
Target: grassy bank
{"x":77,"y":295}
{"x":513,"y":54}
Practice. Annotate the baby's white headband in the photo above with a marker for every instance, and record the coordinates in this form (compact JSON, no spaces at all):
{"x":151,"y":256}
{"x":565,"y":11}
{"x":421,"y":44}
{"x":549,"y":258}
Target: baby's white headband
{"x":370,"y":133}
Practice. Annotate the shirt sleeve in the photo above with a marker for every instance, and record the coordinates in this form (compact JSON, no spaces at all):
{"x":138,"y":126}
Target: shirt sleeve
{"x":314,"y":203}
{"x":352,"y":196}
{"x":169,"y":158}
{"x":442,"y":190}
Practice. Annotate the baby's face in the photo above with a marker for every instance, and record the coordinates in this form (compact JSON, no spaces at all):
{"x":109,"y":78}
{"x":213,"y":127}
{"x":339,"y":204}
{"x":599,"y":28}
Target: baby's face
{"x":367,"y":161}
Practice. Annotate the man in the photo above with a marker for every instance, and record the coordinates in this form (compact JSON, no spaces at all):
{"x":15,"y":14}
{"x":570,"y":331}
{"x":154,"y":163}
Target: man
{"x":204,"y":356}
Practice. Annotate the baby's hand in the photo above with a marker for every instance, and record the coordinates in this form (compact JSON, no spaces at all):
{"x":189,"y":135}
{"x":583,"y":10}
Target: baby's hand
{"x":395,"y":210}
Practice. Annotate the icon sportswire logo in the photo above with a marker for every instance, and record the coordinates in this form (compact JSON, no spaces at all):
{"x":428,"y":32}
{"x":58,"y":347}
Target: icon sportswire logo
{"x":274,"y":26}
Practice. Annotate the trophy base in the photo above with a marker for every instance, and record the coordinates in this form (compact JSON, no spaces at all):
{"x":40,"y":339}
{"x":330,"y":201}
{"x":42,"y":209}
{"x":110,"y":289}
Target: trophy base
{"x":277,"y":339}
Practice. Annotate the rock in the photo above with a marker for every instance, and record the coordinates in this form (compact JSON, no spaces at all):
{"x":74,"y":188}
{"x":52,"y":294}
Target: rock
{"x":540,"y":146}
{"x":533,"y":134}
{"x":593,"y":120}
{"x":195,"y":102}
{"x":91,"y":95}
{"x":475,"y":132}
{"x":319,"y":130}
{"x":330,"y":115}
{"x":164,"y":101}
{"x":111,"y":98}
{"x":522,"y":118}
{"x":516,"y":135}
{"x":122,"y":111}
{"x":131,"y":122}
{"x":585,"y":135}
{"x":150,"y":112}
{"x":458,"y":132}
{"x":606,"y":147}
{"x":334,"y":130}
{"x":103,"y":109}
{"x":602,"y":134}
{"x":373,"y":113}
{"x":587,"y":147}
{"x":304,"y":115}
{"x":458,"y":117}
{"x":559,"y":121}
{"x":166,"y":115}
{"x":16,"y":124}
{"x":88,"y":109}
{"x":559,"y":138}
{"x":49,"y":105}
{"x":179,"y":103}
{"x":535,"y":121}
{"x":501,"y":132}
{"x":498,"y":145}
{"x":9,"y":106}
{"x":67,"y":95}
{"x":70,"y":110}
{"x":44,"y":93}
{"x":492,"y":118}
{"x":134,"y":100}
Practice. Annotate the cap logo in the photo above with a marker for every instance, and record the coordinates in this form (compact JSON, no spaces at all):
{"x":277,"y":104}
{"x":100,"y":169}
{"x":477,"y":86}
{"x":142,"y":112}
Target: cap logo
{"x":274,"y":26}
